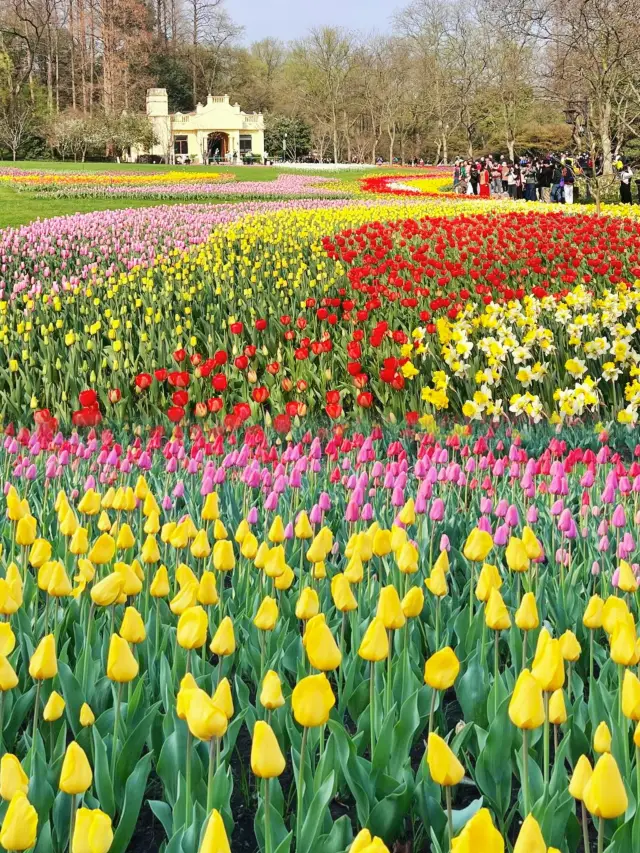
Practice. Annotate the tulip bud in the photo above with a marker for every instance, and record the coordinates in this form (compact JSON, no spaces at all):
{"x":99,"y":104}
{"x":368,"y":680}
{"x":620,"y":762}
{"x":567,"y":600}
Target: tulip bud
{"x":312,"y":700}
{"x":44,"y":663}
{"x":442,"y":669}
{"x":215,"y":837}
{"x":93,"y":832}
{"x":54,"y":708}
{"x":12,"y":777}
{"x":271,"y":694}
{"x":20,"y":824}
{"x":223,"y":642}
{"x":76,"y":776}
{"x":444,"y":767}
{"x":267,"y":760}
{"x":122,"y":667}
{"x":604,"y":794}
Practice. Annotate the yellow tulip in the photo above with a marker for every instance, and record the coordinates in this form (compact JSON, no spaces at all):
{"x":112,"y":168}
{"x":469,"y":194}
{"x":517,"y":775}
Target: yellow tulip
{"x":207,"y":591}
{"x":224,"y":641}
{"x":303,"y":528}
{"x":581,"y":775}
{"x":602,"y":739}
{"x":150,"y":551}
{"x":267,"y":615}
{"x":76,"y":776}
{"x":160,"y":584}
{"x":343,"y":598}
{"x":626,"y":579}
{"x":93,"y":832}
{"x":375,"y":643}
{"x":8,"y":676}
{"x":479,"y":834}
{"x":267,"y":760}
{"x":436,"y":583}
{"x":215,"y":837}
{"x":44,"y":663}
{"x":495,"y":612}
{"x":200,"y":547}
{"x":407,"y":559}
{"x":477,"y":546}
{"x":516,"y":555}
{"x":223,"y":699}
{"x":103,"y":550}
{"x":79,"y":541}
{"x":12,"y":777}
{"x":40,"y":553}
{"x":271,"y":693}
{"x":526,"y":707}
{"x":132,"y":628}
{"x":557,"y":709}
{"x":548,"y":665}
{"x":531,"y":544}
{"x":7,"y":639}
{"x":322,"y":650}
{"x":204,"y":719}
{"x":413,"y":602}
{"x":122,"y":667}
{"x":223,"y":558}
{"x":107,"y":591}
{"x":604,"y":794}
{"x":488,"y":579}
{"x":530,"y":838}
{"x":527,"y":614}
{"x":390,"y":608}
{"x":593,"y":614}
{"x":20,"y":824}
{"x":308,"y":604}
{"x":211,"y":508}
{"x":54,"y":708}
{"x":442,"y":669}
{"x":187,"y":597}
{"x":312,"y":700}
{"x":192,"y":628}
{"x":276,"y":531}
{"x":407,"y":514}
{"x":87,"y":717}
{"x":444,"y":767}
{"x":570,"y":647}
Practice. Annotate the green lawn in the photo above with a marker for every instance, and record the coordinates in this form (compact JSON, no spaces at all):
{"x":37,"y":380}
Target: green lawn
{"x":18,"y":208}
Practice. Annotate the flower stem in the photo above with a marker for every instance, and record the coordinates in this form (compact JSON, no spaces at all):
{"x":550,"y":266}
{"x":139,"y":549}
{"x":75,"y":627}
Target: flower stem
{"x":585,"y":828}
{"x":72,"y":820}
{"x":35,"y":727}
{"x":496,"y":664}
{"x":267,"y":817}
{"x":116,"y":726}
{"x":525,"y":771}
{"x":601,"y":835}
{"x":387,"y":704}
{"x":447,"y":794}
{"x":432,"y":709}
{"x":372,"y":706}
{"x":303,"y":746}
{"x":546,"y":743}
{"x":210,"y":774}
{"x":187,"y":798}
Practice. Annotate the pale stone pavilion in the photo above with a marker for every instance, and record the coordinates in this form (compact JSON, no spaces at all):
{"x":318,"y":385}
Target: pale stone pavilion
{"x":217,"y":131}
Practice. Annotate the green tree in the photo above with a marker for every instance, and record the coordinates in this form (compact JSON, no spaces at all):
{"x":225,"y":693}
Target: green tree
{"x":295,"y":131}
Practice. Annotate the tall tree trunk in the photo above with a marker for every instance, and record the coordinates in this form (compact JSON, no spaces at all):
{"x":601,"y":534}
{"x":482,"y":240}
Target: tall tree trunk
{"x":605,"y":137}
{"x":72,"y":57}
{"x":335,"y":132}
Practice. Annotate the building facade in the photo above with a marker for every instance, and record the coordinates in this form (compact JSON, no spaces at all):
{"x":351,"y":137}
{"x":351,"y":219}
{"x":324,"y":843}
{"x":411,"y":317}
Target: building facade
{"x":214,"y":132}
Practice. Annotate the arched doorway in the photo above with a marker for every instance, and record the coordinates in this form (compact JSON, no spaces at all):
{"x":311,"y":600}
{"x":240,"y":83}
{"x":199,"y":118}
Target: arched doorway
{"x":217,"y":146}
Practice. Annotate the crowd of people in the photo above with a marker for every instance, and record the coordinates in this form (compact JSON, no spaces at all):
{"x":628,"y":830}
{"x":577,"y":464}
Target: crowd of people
{"x":547,"y":179}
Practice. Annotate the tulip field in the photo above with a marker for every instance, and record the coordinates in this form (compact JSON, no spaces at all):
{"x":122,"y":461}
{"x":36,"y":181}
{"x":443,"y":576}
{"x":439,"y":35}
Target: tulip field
{"x":320,"y":521}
